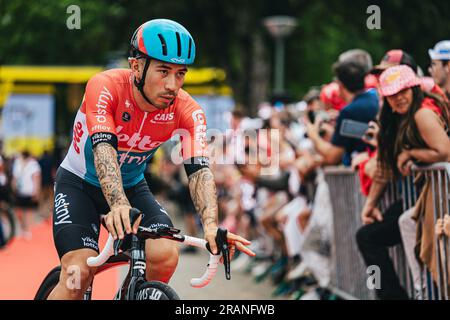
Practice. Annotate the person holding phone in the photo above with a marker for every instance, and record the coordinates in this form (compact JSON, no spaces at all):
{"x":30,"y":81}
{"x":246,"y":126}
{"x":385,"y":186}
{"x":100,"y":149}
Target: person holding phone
{"x":362,"y":107}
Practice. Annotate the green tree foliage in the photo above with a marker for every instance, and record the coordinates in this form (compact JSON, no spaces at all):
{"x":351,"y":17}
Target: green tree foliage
{"x":229,"y":34}
{"x":35,"y":32}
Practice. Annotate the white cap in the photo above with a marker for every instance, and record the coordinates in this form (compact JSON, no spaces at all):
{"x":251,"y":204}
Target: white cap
{"x":441,"y":51}
{"x":265,"y":111}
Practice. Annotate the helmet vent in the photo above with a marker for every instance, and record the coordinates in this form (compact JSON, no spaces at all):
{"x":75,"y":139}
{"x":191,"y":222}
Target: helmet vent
{"x":163,"y":44}
{"x":190,"y":45}
{"x":178,"y":44}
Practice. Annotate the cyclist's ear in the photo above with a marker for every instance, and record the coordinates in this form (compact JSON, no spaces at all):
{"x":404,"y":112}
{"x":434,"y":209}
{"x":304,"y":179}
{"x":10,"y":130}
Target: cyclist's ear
{"x":134,"y":66}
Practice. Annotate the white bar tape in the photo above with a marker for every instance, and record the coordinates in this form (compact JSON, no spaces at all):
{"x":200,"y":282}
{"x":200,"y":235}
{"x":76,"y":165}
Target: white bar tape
{"x":107,"y":251}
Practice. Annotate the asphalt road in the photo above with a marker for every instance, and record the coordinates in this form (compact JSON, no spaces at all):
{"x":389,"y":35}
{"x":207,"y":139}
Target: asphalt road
{"x":240,"y":287}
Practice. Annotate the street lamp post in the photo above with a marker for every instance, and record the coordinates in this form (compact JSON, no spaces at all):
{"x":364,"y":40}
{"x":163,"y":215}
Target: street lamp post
{"x":279,"y":27}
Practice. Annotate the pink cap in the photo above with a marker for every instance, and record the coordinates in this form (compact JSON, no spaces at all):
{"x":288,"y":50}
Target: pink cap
{"x":395,"y":79}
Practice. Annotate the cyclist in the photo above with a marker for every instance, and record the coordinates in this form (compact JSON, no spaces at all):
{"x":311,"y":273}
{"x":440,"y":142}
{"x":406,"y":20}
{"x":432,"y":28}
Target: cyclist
{"x":124,"y":117}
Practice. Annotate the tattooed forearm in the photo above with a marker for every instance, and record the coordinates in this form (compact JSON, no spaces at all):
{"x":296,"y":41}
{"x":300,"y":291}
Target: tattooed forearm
{"x":204,"y":196}
{"x":108,"y":172}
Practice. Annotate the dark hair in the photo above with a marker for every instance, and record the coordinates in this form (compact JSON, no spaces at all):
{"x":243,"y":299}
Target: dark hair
{"x":26,"y":153}
{"x":266,"y":124}
{"x":311,"y":95}
{"x":399,"y":132}
{"x":358,"y":55}
{"x":237,"y":113}
{"x":351,"y":74}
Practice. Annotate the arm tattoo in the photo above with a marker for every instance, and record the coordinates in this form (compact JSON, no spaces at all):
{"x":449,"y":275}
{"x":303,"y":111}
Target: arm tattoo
{"x":204,"y":195}
{"x":108,"y":172}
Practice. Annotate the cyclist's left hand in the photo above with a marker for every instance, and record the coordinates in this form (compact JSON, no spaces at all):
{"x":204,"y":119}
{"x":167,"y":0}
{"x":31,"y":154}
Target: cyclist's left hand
{"x":234,"y":241}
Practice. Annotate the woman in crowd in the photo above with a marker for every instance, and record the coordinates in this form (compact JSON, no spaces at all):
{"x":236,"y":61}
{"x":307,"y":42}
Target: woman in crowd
{"x":413,"y":126}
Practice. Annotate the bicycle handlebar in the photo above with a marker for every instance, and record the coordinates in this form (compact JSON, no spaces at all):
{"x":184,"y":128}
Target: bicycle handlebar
{"x":108,"y":251}
{"x":212,"y":266}
{"x":170,"y":233}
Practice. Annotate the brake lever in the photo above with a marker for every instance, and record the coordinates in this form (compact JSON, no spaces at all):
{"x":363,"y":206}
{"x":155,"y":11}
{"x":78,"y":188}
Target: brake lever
{"x":222,"y":235}
{"x":117,"y":245}
{"x":223,"y":248}
{"x":134,"y":215}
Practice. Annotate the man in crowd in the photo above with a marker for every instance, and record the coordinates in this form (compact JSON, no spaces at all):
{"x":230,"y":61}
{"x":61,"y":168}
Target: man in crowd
{"x":440,"y":66}
{"x":362,"y":106}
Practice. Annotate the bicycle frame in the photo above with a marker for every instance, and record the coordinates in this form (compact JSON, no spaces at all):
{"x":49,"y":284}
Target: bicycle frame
{"x":136,"y":259}
{"x":136,"y":253}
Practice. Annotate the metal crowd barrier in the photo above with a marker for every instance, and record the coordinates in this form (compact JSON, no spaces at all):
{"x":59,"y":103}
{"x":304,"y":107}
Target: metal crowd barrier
{"x":349,"y":273}
{"x":439,"y":175}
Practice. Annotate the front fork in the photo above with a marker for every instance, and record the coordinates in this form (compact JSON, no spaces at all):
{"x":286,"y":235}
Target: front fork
{"x":88,"y":293}
{"x":136,"y":273}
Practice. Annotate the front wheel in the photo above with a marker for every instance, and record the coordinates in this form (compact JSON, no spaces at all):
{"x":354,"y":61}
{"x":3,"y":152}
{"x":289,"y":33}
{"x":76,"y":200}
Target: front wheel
{"x":49,"y":283}
{"x":155,"y":290}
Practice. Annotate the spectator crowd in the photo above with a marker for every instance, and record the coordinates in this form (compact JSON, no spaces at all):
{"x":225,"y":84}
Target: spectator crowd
{"x":377,"y":120}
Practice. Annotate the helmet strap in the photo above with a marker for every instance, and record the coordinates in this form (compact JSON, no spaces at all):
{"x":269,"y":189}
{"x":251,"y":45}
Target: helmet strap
{"x":140,"y":84}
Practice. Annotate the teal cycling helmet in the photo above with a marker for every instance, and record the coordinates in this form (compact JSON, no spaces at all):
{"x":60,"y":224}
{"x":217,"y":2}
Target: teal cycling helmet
{"x":164,"y":40}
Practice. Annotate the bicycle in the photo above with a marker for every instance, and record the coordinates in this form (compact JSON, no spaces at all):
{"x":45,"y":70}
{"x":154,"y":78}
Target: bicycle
{"x":7,"y":225}
{"x":135,"y":286}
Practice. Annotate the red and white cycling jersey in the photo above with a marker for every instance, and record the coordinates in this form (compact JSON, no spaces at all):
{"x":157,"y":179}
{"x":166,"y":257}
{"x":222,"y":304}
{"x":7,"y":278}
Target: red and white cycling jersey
{"x":108,"y":107}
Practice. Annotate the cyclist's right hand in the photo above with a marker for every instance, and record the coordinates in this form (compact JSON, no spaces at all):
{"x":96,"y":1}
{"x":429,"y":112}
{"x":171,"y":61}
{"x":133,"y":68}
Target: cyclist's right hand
{"x":118,"y":219}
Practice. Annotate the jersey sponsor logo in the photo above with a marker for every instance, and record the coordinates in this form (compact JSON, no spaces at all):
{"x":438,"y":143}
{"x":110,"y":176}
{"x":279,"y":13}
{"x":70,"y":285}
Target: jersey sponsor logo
{"x":198,"y":116}
{"x":143,"y":143}
{"x":101,"y":137}
{"x":163,"y":118}
{"x":200,"y":129}
{"x":177,"y":60}
{"x":100,"y":127}
{"x":62,"y":209}
{"x":126,"y":158}
{"x":126,"y":116}
{"x":77,"y":134}
{"x":203,"y":161}
{"x":104,"y":99}
{"x":128,"y":105}
{"x":88,"y":242}
{"x":158,"y":225}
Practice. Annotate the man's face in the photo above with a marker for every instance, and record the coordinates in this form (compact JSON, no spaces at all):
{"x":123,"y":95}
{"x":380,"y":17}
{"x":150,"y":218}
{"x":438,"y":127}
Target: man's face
{"x":315,"y":105}
{"x":235,"y":122}
{"x":163,"y":81}
{"x":439,"y":70}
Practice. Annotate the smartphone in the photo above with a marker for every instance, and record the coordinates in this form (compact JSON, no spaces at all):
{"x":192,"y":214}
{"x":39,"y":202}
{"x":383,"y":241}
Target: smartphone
{"x":353,"y":129}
